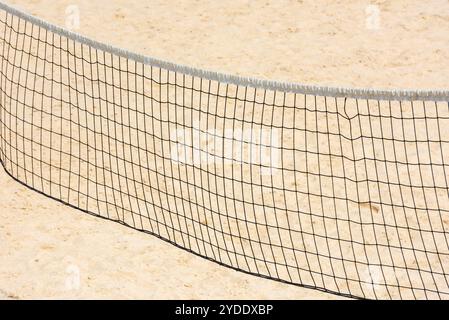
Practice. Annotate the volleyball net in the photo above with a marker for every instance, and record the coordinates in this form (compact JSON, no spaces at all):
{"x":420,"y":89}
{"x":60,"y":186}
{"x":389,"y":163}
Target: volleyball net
{"x":340,"y":190}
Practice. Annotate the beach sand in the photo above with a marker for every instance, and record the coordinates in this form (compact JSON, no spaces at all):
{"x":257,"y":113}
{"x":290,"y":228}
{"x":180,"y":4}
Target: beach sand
{"x":52,"y":251}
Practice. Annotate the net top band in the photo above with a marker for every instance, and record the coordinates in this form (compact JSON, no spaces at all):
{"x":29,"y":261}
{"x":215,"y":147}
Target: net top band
{"x":325,"y":91}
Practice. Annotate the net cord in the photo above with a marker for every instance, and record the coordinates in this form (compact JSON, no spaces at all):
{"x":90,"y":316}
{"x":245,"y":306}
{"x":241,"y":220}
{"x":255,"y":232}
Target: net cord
{"x":356,"y":93}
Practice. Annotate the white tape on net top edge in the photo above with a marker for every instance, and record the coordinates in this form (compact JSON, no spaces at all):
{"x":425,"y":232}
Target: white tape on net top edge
{"x":332,"y":92}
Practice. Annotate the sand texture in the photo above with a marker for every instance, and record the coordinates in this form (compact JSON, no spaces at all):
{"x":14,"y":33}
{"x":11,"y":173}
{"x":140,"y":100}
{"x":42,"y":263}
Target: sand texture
{"x":350,"y":195}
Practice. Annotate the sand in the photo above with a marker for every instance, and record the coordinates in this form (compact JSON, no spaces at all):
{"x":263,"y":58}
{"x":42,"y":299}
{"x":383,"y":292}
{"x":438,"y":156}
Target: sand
{"x":54,"y":251}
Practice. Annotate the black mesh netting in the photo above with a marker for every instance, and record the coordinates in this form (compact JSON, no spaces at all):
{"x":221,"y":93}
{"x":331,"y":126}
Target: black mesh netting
{"x":344,"y":195}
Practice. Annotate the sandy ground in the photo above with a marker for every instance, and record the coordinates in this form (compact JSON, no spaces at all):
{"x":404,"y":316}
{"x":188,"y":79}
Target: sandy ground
{"x":54,"y":251}
{"x":45,"y":246}
{"x":323,"y":42}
